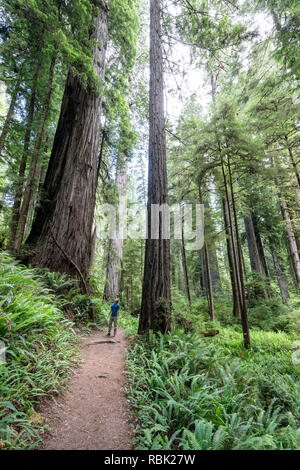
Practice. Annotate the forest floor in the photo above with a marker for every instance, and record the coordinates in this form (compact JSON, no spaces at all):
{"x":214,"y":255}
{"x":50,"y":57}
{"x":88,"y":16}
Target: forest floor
{"x":94,"y":413}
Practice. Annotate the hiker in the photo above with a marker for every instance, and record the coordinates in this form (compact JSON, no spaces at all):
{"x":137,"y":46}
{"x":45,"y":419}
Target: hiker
{"x":114,"y":313}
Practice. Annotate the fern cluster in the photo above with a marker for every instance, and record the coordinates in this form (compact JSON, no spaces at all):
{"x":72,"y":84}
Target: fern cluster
{"x":39,"y":352}
{"x":194,"y":393}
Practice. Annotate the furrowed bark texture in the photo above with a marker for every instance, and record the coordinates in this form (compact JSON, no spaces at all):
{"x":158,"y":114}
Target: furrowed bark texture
{"x":69,"y":191}
{"x":155,"y":308}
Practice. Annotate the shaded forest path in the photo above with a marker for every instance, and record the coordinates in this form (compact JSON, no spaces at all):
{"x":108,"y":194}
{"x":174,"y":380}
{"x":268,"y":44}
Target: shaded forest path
{"x":93,"y":414}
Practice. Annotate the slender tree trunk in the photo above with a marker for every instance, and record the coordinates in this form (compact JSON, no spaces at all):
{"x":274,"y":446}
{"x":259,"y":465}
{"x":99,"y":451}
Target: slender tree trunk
{"x":291,"y":238}
{"x":62,"y":231}
{"x":112,"y":288}
{"x":214,"y":266}
{"x":173,"y":265}
{"x":203,"y":276}
{"x":180,"y":276}
{"x":256,"y":261}
{"x":32,"y":171}
{"x":10,"y":114}
{"x":210,"y":295}
{"x":273,"y":244}
{"x":259,"y":244}
{"x":23,"y":163}
{"x":42,"y":174}
{"x":231,"y":258}
{"x":293,"y":161}
{"x":211,"y":305}
{"x":184,"y":265}
{"x":244,"y":313}
{"x":156,"y":295}
{"x":295,"y":167}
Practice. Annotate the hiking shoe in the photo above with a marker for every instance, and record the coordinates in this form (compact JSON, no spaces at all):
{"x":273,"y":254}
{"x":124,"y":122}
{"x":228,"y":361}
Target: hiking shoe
{"x":108,"y":334}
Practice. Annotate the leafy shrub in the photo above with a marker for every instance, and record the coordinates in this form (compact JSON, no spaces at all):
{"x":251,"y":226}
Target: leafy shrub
{"x":39,"y":351}
{"x":190,"y":392}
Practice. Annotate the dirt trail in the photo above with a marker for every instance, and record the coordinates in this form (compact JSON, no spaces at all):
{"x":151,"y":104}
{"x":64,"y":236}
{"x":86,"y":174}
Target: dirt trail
{"x":93,"y":414}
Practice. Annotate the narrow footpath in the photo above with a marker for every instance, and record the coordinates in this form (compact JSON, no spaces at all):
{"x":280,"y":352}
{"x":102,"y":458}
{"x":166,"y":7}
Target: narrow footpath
{"x":93,"y":414}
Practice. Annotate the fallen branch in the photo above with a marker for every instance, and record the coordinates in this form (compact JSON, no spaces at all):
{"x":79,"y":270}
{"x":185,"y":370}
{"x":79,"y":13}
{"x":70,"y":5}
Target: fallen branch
{"x":103,"y":341}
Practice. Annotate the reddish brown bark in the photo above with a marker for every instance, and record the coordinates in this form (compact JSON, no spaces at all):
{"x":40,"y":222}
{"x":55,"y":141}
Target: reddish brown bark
{"x":69,"y":191}
{"x":156,"y":295}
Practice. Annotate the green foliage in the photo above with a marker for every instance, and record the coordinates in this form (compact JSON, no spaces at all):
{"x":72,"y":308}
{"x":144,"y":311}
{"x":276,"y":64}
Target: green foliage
{"x":39,"y":352}
{"x":128,"y":322}
{"x":194,"y":393}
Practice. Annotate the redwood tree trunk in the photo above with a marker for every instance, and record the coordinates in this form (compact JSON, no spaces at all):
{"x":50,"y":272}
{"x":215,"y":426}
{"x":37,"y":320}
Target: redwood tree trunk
{"x":69,"y":191}
{"x":156,"y":296}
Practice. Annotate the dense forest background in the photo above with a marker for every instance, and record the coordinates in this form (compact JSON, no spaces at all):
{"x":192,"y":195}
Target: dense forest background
{"x":218,"y":125}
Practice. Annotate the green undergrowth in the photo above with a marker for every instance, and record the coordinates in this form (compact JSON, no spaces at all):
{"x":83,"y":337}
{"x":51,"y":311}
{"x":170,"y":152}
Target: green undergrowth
{"x":40,"y":345}
{"x":194,"y":393}
{"x":264,"y":314}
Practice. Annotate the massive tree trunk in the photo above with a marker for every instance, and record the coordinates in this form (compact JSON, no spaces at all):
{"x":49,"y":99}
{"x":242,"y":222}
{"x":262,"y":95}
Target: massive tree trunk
{"x":112,"y":288}
{"x":33,"y":166}
{"x":62,"y":231}
{"x":156,"y":296}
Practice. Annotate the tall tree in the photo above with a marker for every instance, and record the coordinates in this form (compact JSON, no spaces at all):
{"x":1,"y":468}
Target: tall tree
{"x":156,"y":296}
{"x":62,"y":229}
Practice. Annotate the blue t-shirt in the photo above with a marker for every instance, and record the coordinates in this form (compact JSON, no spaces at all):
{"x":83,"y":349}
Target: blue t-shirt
{"x":114,"y":310}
